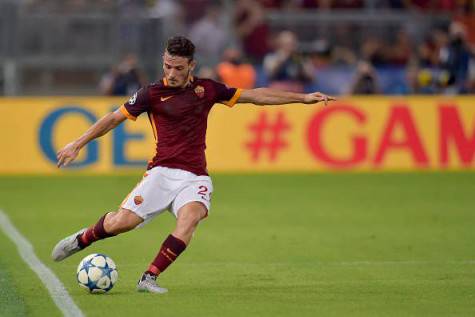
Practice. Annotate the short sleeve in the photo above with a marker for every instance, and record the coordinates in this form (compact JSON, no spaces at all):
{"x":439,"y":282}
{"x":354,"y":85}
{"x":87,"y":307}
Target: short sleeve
{"x":137,"y":104}
{"x":226,"y":95}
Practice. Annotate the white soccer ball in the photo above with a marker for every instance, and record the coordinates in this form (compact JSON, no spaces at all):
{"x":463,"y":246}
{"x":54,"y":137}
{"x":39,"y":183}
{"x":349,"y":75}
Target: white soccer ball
{"x":97,"y":273}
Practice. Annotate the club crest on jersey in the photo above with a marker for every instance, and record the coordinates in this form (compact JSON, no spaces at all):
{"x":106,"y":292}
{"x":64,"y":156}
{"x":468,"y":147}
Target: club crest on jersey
{"x":200,"y":91}
{"x":133,"y":99}
{"x":138,"y":200}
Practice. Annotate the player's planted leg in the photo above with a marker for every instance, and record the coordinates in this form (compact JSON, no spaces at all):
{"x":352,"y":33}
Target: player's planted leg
{"x":109,"y":225}
{"x":188,"y":218}
{"x":148,"y":284}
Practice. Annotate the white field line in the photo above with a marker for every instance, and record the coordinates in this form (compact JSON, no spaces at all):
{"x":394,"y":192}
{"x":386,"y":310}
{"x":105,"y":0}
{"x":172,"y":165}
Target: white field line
{"x":56,"y":289}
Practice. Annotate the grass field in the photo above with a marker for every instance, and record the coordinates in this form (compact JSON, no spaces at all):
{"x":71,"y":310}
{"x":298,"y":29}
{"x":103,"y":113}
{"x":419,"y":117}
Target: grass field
{"x":274,"y":245}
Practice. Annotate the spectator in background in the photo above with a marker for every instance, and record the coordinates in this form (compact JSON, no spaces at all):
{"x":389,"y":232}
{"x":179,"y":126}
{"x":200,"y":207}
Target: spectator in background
{"x":455,"y":58}
{"x":443,"y":62}
{"x":124,"y":79}
{"x":234,"y":72}
{"x":471,"y":77}
{"x":420,"y":75}
{"x":251,"y":29}
{"x":399,"y":53}
{"x":421,"y":81}
{"x":426,"y":55}
{"x":320,"y":53}
{"x":440,"y":41}
{"x":209,"y":35}
{"x":285,"y":68}
{"x":365,"y":81}
{"x":343,"y":56}
{"x":372,"y":50}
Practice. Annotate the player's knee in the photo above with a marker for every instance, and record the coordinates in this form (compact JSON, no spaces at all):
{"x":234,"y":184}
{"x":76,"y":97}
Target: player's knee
{"x":189,"y":221}
{"x":122,"y":221}
{"x":191,"y":217}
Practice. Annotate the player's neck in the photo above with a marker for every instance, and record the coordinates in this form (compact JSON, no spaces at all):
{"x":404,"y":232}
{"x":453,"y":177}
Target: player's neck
{"x":188,"y":82}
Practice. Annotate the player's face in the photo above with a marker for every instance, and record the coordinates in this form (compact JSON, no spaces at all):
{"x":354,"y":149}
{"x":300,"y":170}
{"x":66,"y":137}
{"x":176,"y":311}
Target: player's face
{"x":177,"y":69}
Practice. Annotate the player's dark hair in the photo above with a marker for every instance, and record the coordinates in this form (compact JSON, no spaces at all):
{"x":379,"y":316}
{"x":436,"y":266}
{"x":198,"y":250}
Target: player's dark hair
{"x":181,"y":46}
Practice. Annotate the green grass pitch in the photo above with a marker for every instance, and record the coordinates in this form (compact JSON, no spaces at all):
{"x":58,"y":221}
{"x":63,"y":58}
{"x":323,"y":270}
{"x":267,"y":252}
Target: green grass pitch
{"x":274,"y":245}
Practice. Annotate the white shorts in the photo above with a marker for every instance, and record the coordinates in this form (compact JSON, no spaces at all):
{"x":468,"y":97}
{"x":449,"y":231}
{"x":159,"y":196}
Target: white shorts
{"x":164,"y":188}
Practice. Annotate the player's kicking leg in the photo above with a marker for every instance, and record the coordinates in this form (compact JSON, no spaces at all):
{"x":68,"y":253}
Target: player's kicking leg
{"x":188,"y":218}
{"x":111,"y":224}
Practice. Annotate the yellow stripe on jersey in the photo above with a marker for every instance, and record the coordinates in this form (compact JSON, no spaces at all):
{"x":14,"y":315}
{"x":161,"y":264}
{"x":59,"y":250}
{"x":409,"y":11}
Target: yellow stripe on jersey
{"x":234,"y":99}
{"x":152,"y":122}
{"x":126,"y":113}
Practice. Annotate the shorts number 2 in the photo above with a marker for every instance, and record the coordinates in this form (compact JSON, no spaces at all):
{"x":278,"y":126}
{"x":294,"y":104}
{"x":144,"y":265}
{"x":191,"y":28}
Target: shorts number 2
{"x":203,"y":190}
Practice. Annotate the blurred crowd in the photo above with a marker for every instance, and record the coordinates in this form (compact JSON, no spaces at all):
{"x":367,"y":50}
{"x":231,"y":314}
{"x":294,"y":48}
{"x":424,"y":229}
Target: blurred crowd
{"x":235,"y":44}
{"x":459,"y":6}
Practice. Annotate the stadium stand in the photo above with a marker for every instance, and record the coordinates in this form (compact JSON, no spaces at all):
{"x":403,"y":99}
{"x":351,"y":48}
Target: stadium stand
{"x":66,"y":47}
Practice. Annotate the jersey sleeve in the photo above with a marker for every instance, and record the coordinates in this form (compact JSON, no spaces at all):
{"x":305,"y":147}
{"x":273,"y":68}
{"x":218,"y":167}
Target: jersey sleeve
{"x":226,"y":95}
{"x":137,"y":104}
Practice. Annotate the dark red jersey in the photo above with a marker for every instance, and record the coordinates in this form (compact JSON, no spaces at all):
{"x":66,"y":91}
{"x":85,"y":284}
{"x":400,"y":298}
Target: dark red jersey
{"x":179,"y":119}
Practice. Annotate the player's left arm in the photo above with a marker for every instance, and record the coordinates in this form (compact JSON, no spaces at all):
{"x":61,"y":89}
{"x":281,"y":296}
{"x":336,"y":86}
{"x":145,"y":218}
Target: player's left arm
{"x":269,"y":96}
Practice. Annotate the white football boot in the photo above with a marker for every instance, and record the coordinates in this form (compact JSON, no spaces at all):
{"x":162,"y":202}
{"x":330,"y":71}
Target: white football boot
{"x":67,"y":247}
{"x":148,"y":283}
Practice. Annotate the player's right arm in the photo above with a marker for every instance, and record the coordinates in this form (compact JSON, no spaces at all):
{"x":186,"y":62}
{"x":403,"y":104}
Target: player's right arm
{"x":137,"y":104}
{"x":69,"y":153}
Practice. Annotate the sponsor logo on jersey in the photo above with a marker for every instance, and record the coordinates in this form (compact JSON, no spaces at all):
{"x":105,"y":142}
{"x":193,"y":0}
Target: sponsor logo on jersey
{"x":133,"y":99}
{"x":200,"y":91}
{"x":165,"y":98}
{"x":138,"y":200}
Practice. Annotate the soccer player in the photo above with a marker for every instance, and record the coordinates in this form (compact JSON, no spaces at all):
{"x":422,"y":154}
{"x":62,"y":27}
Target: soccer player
{"x":176,"y":178}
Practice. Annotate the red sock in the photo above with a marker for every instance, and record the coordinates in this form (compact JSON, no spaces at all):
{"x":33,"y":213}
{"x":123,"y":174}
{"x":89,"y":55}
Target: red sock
{"x":170,"y":250}
{"x":94,"y":233}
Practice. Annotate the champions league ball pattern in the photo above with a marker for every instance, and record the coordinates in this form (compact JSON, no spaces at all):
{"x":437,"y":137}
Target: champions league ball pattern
{"x":97,"y":273}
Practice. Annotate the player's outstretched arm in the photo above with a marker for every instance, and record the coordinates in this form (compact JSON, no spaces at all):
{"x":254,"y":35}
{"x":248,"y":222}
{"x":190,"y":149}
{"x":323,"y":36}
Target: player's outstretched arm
{"x":69,"y":153}
{"x":268,"y":96}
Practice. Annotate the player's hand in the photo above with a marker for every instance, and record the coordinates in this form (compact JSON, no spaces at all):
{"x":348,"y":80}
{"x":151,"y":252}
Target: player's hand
{"x":67,"y":154}
{"x":316,"y":97}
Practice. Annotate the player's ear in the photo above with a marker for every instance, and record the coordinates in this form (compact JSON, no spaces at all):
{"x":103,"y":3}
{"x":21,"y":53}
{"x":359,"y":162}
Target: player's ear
{"x":192,"y":65}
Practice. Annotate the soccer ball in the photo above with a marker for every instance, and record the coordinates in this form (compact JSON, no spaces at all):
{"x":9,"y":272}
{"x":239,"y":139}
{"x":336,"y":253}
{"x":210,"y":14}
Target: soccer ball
{"x":97,"y":273}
